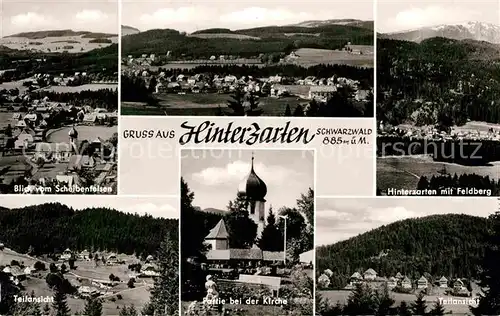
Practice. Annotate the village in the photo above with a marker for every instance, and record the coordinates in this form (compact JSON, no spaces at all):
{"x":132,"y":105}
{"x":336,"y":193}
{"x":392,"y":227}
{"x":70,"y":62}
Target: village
{"x":402,"y":284}
{"x":117,"y":279}
{"x":64,"y":143}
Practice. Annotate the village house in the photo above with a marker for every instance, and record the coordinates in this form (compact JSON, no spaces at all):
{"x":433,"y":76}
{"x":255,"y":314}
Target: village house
{"x":24,"y":139}
{"x":88,"y":291}
{"x":66,"y":255}
{"x":443,"y":282}
{"x":458,"y":285}
{"x":58,"y":152}
{"x":84,"y":255}
{"x":321,"y":93}
{"x":406,"y":283}
{"x":422,"y":283}
{"x":392,"y":283}
{"x":324,"y":281}
{"x":79,"y":162}
{"x":399,"y":276}
{"x":370,"y":275}
{"x":328,"y":272}
{"x":149,"y":270}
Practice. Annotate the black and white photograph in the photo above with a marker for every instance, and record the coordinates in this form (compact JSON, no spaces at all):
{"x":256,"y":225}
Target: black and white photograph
{"x":248,"y":58}
{"x":59,"y":97}
{"x":247,"y":232}
{"x":407,"y":256}
{"x":85,"y":255}
{"x":438,"y":98}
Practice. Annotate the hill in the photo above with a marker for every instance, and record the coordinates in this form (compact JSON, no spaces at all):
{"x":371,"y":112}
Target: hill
{"x":215,"y":211}
{"x":128,"y":30}
{"x":61,"y":33}
{"x":470,"y":30}
{"x":348,"y":22}
{"x":451,"y":245}
{"x":272,"y":39}
{"x":52,"y":227}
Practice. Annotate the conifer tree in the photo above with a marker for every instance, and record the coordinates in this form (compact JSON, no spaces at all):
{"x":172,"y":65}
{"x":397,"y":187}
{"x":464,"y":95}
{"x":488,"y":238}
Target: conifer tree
{"x":419,"y":307}
{"x":272,"y":238}
{"x":489,"y":300}
{"x":437,"y":309}
{"x":60,"y":305}
{"x":361,"y":301}
{"x":165,"y":293}
{"x":236,"y":103}
{"x":403,"y":309}
{"x":288,"y":111}
{"x":93,"y":307}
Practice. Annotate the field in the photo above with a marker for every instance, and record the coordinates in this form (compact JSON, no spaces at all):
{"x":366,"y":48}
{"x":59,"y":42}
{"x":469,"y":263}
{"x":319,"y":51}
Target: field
{"x":342,"y":295}
{"x":137,"y":296}
{"x":404,"y":172}
{"x":84,"y":132}
{"x":71,"y":44}
{"x":311,"y":56}
{"x":205,"y":104}
{"x":15,"y":84}
{"x":224,"y":35}
{"x":92,"y":87}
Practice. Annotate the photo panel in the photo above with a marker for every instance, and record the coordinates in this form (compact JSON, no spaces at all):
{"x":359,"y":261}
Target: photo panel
{"x":247,"y":231}
{"x":248,"y":58}
{"x":407,"y":256}
{"x":59,"y":97}
{"x":438,"y":92}
{"x":89,"y":255}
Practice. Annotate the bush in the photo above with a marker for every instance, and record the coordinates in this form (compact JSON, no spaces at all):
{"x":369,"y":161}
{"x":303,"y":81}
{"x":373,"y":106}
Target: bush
{"x":130,"y":283}
{"x":40,"y":266}
{"x":119,"y":296}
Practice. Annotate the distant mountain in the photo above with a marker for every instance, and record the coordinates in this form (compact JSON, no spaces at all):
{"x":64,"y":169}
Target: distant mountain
{"x":451,"y":245}
{"x":128,"y":30}
{"x":61,"y":33}
{"x":215,"y":211}
{"x":470,"y":30}
{"x":347,"y":22}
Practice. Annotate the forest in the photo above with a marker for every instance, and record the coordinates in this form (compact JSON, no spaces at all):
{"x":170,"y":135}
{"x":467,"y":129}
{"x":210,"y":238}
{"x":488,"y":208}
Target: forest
{"x":272,"y":39}
{"x":102,"y":60}
{"x":52,"y":227}
{"x":438,"y":81}
{"x":450,"y":245}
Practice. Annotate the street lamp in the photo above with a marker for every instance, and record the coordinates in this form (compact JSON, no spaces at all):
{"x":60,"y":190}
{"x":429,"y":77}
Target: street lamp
{"x":285,"y":217}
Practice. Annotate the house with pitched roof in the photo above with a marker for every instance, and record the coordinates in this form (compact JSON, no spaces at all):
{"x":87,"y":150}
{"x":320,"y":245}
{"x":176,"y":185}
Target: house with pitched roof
{"x":324,"y":281}
{"x":406,"y":283}
{"x":422,"y":283}
{"x":370,"y":274}
{"x":392,"y":283}
{"x":443,"y":282}
{"x":218,"y":237}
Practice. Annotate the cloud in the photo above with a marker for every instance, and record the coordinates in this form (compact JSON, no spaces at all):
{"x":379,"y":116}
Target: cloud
{"x":236,"y":171}
{"x":91,"y":16}
{"x":259,"y":15}
{"x":429,"y":16}
{"x":32,"y":21}
{"x":164,"y":211}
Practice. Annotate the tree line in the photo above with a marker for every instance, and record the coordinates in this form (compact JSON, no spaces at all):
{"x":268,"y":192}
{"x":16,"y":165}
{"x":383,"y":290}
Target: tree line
{"x":52,"y":227}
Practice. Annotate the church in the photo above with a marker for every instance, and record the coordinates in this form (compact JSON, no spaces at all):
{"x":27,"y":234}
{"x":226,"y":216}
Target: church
{"x":255,"y":190}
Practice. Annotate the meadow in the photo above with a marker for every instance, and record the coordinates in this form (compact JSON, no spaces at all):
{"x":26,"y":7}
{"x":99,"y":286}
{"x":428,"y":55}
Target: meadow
{"x":89,"y":133}
{"x":85,"y":87}
{"x":308,"y":57}
{"x":70,"y":44}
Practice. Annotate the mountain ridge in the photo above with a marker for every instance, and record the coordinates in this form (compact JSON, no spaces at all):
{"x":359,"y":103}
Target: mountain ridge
{"x":479,"y":31}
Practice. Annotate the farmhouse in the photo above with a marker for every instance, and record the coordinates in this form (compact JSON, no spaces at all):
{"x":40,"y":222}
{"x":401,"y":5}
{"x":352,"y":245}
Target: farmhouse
{"x":458,"y":285}
{"x":88,"y":291}
{"x":321,"y":93}
{"x":84,"y":255}
{"x":324,"y":281}
{"x":58,"y":152}
{"x":399,"y":276}
{"x":370,"y":274}
{"x":406,"y":283}
{"x":443,"y":282}
{"x":149,"y":270}
{"x":79,"y":162}
{"x":24,"y":139}
{"x":328,"y":272}
{"x":422,"y":283}
{"x":307,"y":257}
{"x":66,"y":255}
{"x":392,"y":283}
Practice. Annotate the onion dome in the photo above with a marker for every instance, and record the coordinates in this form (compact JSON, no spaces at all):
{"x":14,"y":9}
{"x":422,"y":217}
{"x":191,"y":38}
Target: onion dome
{"x":255,"y":189}
{"x":73,"y":132}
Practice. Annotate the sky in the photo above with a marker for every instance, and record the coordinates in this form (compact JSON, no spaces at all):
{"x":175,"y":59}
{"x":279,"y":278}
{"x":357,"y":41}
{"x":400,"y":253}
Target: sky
{"x":192,"y":15}
{"x":154,"y":206}
{"x":215,"y":175}
{"x":402,"y":15}
{"x":340,"y":219}
{"x":38,"y":15}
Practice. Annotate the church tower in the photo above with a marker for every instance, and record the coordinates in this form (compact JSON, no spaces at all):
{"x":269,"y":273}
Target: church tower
{"x":255,"y":192}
